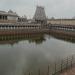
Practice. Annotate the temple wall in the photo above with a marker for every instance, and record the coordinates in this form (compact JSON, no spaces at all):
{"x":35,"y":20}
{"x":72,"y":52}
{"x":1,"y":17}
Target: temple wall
{"x":8,"y":21}
{"x":62,"y":21}
{"x":12,"y":18}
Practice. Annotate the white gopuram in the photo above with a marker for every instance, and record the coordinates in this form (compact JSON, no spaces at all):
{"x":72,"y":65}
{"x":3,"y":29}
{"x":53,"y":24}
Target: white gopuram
{"x":40,"y":16}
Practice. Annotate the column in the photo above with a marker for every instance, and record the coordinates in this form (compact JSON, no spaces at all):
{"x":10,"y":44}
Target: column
{"x":1,"y":17}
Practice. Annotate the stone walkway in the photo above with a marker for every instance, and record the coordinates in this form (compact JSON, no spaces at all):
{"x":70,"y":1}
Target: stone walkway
{"x":70,"y":71}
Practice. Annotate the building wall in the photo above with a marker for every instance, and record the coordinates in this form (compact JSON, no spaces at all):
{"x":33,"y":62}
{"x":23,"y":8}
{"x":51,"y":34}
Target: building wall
{"x":12,"y":18}
{"x":62,"y":21}
{"x":8,"y":21}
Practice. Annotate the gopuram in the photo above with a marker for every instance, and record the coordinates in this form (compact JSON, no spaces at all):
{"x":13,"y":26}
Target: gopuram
{"x":40,"y":16}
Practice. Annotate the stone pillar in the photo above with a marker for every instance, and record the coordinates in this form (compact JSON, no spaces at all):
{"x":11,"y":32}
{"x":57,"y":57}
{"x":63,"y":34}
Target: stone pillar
{"x":1,"y":17}
{"x":4,"y":18}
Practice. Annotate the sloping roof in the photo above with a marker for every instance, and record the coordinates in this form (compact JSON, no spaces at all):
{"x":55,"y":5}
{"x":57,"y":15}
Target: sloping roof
{"x":40,"y":13}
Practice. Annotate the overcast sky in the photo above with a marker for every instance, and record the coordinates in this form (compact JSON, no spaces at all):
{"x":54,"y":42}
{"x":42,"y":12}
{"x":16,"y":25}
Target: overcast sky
{"x":56,"y":8}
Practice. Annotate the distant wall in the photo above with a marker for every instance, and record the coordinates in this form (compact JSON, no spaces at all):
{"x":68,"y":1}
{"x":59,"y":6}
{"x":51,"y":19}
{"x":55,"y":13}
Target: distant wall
{"x":62,"y":21}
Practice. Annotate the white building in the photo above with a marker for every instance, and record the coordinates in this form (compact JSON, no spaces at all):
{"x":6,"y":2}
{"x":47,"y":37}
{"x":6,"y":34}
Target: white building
{"x":9,"y":16}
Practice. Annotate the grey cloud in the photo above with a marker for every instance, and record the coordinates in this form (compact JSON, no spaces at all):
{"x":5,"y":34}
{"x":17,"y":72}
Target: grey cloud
{"x":57,"y":8}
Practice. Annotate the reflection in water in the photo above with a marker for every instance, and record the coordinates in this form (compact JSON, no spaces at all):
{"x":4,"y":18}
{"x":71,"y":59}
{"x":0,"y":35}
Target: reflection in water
{"x":28,"y":53}
{"x":63,"y":37}
{"x":37,"y":38}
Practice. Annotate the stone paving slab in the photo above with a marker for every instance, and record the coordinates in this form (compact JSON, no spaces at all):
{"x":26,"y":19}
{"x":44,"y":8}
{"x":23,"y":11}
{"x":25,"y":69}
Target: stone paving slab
{"x":70,"y":71}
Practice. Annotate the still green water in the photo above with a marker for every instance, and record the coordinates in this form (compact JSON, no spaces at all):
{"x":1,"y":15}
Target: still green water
{"x":21,"y":54}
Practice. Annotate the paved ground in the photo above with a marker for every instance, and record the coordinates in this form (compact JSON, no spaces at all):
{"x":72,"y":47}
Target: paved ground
{"x":70,"y":71}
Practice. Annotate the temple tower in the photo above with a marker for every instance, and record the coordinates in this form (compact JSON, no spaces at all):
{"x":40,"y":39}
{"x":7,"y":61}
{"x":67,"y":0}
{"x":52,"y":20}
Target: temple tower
{"x":40,"y":16}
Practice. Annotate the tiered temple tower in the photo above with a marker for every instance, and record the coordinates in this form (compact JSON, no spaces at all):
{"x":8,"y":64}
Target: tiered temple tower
{"x":40,"y":16}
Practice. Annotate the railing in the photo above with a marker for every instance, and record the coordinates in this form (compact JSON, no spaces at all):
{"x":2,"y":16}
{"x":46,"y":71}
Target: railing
{"x":57,"y":68}
{"x":62,"y":27}
{"x":15,"y":26}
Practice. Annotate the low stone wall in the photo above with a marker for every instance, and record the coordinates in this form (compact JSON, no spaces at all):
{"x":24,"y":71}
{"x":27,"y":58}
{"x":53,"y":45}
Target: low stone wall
{"x":62,"y":32}
{"x":22,"y":31}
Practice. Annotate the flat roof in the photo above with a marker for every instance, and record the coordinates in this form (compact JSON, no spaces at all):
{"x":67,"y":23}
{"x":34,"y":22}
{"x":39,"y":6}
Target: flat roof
{"x":8,"y":13}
